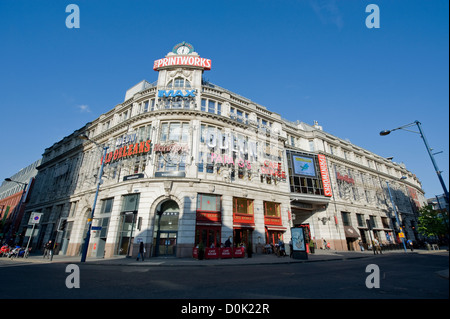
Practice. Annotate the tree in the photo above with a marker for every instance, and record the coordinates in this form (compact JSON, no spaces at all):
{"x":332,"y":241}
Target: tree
{"x":432,"y":222}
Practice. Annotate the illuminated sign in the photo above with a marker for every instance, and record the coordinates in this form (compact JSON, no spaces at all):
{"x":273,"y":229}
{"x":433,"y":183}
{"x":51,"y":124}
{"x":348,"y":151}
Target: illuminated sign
{"x":303,"y":165}
{"x":184,"y":60}
{"x":325,"y":176}
{"x":128,"y":151}
{"x":174,"y":93}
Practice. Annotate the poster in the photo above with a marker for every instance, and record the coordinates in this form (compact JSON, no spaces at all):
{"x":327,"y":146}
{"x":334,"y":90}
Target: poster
{"x":298,"y":239}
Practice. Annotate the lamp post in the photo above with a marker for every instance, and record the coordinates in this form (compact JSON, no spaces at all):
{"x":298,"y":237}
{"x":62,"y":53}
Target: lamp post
{"x":88,"y":233}
{"x":422,"y":135}
{"x":395,"y":211}
{"x":17,"y":208}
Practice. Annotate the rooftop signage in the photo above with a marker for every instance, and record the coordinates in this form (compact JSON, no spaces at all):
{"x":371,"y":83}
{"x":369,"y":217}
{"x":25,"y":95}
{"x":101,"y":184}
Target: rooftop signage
{"x":182,"y":55}
{"x":184,"y":60}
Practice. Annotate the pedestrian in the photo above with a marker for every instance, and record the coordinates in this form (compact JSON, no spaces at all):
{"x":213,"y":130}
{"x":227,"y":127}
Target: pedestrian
{"x":48,"y":250}
{"x":291,"y":248}
{"x":141,"y":251}
{"x":410,"y":244}
{"x":228,"y":242}
{"x":361,"y":245}
{"x":281,"y":248}
{"x":377,"y":246}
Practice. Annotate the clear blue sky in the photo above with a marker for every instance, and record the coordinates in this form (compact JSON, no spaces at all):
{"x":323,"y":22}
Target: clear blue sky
{"x":306,"y":60}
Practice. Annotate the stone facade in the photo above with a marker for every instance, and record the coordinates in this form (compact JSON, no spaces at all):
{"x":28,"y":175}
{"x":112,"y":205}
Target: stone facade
{"x":188,"y":162}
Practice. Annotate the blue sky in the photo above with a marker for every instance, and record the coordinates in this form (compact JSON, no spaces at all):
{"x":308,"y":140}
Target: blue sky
{"x":306,"y":60}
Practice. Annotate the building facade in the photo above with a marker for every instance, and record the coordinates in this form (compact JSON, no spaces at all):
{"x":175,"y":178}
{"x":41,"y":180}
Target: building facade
{"x":14,"y":195}
{"x":186,"y":161}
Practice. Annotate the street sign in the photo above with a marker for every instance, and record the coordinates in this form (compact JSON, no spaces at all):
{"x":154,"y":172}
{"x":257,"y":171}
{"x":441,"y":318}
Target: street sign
{"x":35,"y":218}
{"x":401,"y":235}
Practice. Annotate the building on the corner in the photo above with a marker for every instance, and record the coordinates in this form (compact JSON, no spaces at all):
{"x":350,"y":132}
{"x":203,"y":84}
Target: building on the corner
{"x":189,"y":162}
{"x":13,"y":197}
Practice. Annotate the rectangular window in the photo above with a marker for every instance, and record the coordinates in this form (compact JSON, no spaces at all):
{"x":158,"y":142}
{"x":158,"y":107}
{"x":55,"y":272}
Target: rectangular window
{"x":203,"y":105}
{"x":107,"y":205}
{"x":130,"y":203}
{"x":211,"y":106}
{"x":208,"y":203}
{"x":360,"y":219}
{"x":242,"y":206}
{"x":346,"y":219}
{"x":174,"y":132}
{"x":272,"y":209}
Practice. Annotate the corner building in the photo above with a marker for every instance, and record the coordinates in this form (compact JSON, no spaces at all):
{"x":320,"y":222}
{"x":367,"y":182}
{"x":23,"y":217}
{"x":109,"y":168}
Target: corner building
{"x":189,"y":162}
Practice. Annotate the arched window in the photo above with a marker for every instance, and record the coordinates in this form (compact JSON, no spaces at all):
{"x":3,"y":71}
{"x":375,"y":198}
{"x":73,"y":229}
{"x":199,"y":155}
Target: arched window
{"x":179,"y":83}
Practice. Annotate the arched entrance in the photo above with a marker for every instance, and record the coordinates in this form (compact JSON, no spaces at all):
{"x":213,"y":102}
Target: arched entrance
{"x":166,"y":229}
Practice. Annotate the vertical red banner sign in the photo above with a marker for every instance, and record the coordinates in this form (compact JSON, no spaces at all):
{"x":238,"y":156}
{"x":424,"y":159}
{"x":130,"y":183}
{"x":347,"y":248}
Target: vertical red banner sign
{"x":325,"y":176}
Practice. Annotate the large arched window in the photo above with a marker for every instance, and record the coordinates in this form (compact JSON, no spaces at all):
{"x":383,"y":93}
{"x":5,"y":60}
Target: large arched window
{"x":179,"y":83}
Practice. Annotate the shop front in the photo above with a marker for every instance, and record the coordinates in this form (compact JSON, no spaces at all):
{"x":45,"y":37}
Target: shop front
{"x":243,"y":226}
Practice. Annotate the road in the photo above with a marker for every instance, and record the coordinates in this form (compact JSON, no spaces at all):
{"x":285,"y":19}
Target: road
{"x":401,"y":277}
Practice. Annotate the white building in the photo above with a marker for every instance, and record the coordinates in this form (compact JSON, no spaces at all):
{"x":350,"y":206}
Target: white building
{"x":189,"y":162}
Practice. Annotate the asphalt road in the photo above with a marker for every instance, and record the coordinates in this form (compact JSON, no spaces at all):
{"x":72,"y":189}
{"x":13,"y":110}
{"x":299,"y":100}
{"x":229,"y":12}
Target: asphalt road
{"x":400,"y":277}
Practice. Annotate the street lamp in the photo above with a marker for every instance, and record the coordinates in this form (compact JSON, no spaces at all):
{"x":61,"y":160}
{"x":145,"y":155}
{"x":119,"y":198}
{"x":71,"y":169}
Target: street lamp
{"x":88,"y":234}
{"x":422,"y":135}
{"x":395,"y":210}
{"x":17,"y":208}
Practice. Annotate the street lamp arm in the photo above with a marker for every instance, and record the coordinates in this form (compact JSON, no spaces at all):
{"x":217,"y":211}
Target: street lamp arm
{"x":386,"y":132}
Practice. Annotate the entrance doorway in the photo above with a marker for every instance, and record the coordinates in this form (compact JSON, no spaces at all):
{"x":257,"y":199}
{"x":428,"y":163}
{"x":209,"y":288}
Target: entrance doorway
{"x":166,"y":229}
{"x":242,"y":236}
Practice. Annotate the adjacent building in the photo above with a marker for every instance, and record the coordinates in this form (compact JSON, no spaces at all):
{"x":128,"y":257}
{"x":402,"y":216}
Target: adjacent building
{"x":186,"y":161}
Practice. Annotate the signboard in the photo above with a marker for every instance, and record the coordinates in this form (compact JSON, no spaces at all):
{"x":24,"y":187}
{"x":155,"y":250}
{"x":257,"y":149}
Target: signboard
{"x":298,"y":243}
{"x":303,"y":165}
{"x":185,"y":60}
{"x":35,"y":218}
{"x":128,"y":151}
{"x":325,"y":176}
{"x":170,"y":174}
{"x":134,"y":176}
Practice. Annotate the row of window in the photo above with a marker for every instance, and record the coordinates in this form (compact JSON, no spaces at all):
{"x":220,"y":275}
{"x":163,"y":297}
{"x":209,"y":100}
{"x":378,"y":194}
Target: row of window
{"x":362,"y":222}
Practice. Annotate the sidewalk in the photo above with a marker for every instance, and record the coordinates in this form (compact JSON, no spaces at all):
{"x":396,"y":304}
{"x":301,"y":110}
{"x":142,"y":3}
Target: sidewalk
{"x":257,"y":259}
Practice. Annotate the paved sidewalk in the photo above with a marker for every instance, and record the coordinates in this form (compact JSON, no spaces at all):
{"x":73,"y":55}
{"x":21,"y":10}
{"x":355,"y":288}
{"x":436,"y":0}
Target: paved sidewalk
{"x":257,"y":259}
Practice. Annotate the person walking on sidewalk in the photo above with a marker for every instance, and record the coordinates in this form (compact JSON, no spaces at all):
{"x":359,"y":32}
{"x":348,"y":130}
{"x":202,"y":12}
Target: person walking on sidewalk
{"x":141,"y":251}
{"x":48,"y":250}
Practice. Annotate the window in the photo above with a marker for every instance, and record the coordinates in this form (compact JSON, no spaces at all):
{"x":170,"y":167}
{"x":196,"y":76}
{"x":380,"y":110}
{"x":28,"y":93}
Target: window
{"x":373,"y":221}
{"x":144,"y":133}
{"x":211,"y":106}
{"x":73,"y":208}
{"x":385,"y":222}
{"x":242,"y":206}
{"x":174,"y":132}
{"x":130,"y":203}
{"x":272,"y":209}
{"x":346,"y":219}
{"x":145,"y":107}
{"x":107,"y":205}
{"x":208,"y":203}
{"x":360,"y":219}
{"x":179,"y":83}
